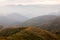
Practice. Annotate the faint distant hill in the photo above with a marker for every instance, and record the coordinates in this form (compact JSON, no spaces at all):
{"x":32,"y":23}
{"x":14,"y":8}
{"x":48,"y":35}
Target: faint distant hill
{"x":37,"y":21}
{"x":48,"y":22}
{"x":55,"y":13}
{"x":12,"y":19}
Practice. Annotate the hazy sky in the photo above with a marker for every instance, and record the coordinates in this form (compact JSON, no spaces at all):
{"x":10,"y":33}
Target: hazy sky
{"x":27,"y":2}
{"x":32,"y":12}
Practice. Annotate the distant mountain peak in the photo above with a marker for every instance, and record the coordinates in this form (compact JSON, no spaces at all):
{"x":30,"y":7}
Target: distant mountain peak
{"x":14,"y":14}
{"x":12,"y":18}
{"x":55,"y":13}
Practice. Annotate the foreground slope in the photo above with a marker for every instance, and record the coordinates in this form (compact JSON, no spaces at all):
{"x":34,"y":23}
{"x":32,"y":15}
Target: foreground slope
{"x":30,"y":33}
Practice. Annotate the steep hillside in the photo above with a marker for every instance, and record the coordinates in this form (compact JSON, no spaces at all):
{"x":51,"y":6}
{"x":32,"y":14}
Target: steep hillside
{"x":48,"y":22}
{"x":30,"y":33}
{"x":37,"y":21}
{"x":52,"y":26}
{"x":55,"y":26}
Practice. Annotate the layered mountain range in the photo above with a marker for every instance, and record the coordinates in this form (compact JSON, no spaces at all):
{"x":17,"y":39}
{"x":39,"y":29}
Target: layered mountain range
{"x":12,"y":19}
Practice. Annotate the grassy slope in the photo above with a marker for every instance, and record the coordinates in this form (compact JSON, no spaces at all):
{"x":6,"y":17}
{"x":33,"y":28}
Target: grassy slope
{"x":29,"y":33}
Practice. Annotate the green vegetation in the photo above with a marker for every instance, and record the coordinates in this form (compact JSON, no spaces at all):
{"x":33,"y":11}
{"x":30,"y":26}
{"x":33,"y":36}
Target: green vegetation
{"x":9,"y":31}
{"x":42,"y":29}
{"x":26,"y":33}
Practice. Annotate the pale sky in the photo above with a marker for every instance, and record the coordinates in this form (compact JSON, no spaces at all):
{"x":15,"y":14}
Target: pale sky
{"x":29,"y":11}
{"x":27,"y":2}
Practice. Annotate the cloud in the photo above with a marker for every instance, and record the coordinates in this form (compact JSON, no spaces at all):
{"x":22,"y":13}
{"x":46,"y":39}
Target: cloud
{"x":27,"y":2}
{"x":24,"y":0}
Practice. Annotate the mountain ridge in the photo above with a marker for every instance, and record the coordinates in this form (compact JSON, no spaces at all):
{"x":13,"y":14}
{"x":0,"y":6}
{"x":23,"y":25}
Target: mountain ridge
{"x":12,"y":18}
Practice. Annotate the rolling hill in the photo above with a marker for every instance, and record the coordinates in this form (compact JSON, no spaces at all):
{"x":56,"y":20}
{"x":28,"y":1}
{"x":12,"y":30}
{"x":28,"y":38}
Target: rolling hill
{"x":11,"y":19}
{"x":28,"y":33}
{"x":55,"y":13}
{"x":37,"y":21}
{"x":55,"y":26}
{"x":48,"y":22}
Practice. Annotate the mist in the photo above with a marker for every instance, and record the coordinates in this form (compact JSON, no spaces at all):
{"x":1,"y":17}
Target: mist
{"x":29,"y":10}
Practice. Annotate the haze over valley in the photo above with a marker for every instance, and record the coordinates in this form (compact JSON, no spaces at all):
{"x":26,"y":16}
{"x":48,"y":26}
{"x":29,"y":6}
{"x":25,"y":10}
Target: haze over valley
{"x":29,"y":10}
{"x":29,"y":19}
